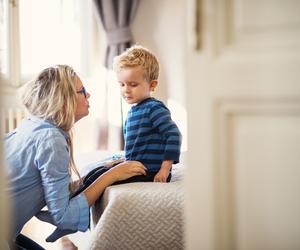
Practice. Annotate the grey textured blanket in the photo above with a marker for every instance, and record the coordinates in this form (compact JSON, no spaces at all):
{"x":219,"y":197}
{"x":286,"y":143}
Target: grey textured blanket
{"x":140,"y":216}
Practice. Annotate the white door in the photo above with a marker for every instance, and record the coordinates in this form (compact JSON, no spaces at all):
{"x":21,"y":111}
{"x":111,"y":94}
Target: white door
{"x":243,"y":101}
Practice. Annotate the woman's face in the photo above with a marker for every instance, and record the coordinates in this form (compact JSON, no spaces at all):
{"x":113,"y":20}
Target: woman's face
{"x":82,"y":109}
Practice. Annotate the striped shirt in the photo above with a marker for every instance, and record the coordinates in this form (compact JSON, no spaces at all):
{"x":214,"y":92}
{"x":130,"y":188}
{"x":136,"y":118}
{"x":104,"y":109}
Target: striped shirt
{"x":151,"y":136}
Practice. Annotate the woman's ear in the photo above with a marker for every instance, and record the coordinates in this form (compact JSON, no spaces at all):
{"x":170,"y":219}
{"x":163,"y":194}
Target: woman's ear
{"x":153,"y":85}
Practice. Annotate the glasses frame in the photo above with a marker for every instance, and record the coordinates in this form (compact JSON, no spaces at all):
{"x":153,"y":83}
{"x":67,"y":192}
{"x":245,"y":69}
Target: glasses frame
{"x":82,"y":91}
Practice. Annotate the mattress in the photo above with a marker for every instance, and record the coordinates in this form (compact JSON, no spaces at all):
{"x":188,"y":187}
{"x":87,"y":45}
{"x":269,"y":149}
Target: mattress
{"x":140,"y":216}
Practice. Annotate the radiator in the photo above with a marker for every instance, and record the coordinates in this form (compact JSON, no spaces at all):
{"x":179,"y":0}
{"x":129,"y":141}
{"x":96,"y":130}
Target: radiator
{"x":10,"y":119}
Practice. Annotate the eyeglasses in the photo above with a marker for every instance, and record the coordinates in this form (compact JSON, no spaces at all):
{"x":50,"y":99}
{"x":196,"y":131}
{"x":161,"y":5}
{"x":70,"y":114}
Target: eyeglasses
{"x":82,"y":91}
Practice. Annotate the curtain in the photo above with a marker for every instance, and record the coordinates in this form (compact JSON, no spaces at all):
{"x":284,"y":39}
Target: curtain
{"x":116,"y":17}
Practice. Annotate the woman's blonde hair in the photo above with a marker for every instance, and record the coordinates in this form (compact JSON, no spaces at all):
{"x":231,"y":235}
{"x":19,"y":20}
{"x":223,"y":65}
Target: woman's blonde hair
{"x":138,"y":56}
{"x":52,"y":96}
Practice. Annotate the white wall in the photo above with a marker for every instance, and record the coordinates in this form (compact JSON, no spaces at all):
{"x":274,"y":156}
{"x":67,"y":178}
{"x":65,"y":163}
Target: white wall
{"x":160,"y":26}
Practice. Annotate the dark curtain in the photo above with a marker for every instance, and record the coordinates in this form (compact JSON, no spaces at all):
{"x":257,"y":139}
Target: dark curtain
{"x":116,"y":17}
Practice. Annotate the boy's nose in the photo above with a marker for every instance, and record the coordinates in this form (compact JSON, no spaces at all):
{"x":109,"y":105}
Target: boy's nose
{"x":126,"y":89}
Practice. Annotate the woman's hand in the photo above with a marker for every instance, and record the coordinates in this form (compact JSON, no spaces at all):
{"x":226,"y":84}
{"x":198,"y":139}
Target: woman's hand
{"x":126,"y":170}
{"x":120,"y":172}
{"x":111,"y":163}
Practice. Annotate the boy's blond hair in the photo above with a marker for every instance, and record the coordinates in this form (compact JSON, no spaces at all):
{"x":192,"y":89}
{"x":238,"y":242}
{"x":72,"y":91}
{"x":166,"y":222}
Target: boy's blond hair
{"x":138,"y":56}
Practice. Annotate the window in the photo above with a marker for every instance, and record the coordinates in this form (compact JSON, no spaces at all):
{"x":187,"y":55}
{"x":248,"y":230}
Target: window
{"x":3,"y":37}
{"x":49,"y":33}
{"x":39,"y":33}
{"x":35,"y":34}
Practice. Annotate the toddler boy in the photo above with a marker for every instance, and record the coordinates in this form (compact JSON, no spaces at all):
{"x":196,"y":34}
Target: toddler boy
{"x":151,"y":136}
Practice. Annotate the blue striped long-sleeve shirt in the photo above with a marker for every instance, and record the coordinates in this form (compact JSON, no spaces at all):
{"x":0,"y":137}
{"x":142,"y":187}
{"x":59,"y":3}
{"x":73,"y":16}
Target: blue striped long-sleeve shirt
{"x":151,"y":136}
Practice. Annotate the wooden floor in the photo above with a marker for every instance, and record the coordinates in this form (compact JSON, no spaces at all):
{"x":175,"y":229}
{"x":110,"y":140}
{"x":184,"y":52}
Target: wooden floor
{"x":39,"y":231}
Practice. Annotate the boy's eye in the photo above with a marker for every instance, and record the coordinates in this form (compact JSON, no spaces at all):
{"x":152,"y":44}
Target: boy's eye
{"x":133,"y":84}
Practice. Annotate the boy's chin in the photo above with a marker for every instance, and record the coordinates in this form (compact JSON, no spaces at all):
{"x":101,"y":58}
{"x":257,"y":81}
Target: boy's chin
{"x":131,"y":101}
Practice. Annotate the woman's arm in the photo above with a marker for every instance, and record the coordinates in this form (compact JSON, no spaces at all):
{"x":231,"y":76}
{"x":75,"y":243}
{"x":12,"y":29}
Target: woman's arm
{"x":120,"y":172}
{"x":52,"y":159}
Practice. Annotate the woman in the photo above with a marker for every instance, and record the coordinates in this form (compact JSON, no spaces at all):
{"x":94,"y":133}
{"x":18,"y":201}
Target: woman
{"x":39,"y":156}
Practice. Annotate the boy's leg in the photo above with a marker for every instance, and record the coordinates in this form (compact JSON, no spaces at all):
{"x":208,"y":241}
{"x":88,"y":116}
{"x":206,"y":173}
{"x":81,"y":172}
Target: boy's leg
{"x":94,"y":174}
{"x":90,"y":178}
{"x":169,"y":177}
{"x":142,"y":178}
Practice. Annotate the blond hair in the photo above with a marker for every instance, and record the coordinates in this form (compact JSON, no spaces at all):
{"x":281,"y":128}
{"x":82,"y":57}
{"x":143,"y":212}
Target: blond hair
{"x":52,"y":96}
{"x":138,"y":56}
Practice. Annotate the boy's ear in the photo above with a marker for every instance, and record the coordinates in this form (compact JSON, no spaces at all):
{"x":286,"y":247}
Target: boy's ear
{"x":153,"y":85}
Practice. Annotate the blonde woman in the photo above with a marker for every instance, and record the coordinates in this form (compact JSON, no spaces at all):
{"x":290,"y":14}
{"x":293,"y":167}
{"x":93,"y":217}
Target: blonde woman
{"x":39,"y":156}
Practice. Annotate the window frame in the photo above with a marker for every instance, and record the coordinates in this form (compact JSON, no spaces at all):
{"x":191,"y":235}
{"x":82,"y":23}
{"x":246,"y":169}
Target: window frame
{"x":12,"y":78}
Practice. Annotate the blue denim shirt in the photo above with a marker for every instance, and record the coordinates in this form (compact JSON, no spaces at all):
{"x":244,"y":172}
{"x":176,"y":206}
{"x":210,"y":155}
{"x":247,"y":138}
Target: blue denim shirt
{"x":37,"y":158}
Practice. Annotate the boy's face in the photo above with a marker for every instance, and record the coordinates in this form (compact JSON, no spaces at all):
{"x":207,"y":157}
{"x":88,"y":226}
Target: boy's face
{"x":134,"y":86}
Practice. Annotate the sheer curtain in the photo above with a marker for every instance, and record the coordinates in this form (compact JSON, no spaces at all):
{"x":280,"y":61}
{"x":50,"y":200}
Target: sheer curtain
{"x":115,"y":17}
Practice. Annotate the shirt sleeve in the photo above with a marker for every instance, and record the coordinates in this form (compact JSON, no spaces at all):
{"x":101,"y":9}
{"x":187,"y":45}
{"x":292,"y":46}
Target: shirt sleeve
{"x":52,"y":160}
{"x":161,"y":119}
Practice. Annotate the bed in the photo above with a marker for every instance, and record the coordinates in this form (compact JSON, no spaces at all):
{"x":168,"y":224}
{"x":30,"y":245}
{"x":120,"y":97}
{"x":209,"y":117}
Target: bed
{"x":140,"y":215}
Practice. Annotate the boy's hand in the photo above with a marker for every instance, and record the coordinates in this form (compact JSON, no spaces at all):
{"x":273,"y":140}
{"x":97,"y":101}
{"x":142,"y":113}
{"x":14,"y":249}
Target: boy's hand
{"x":161,"y":176}
{"x":164,"y":171}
